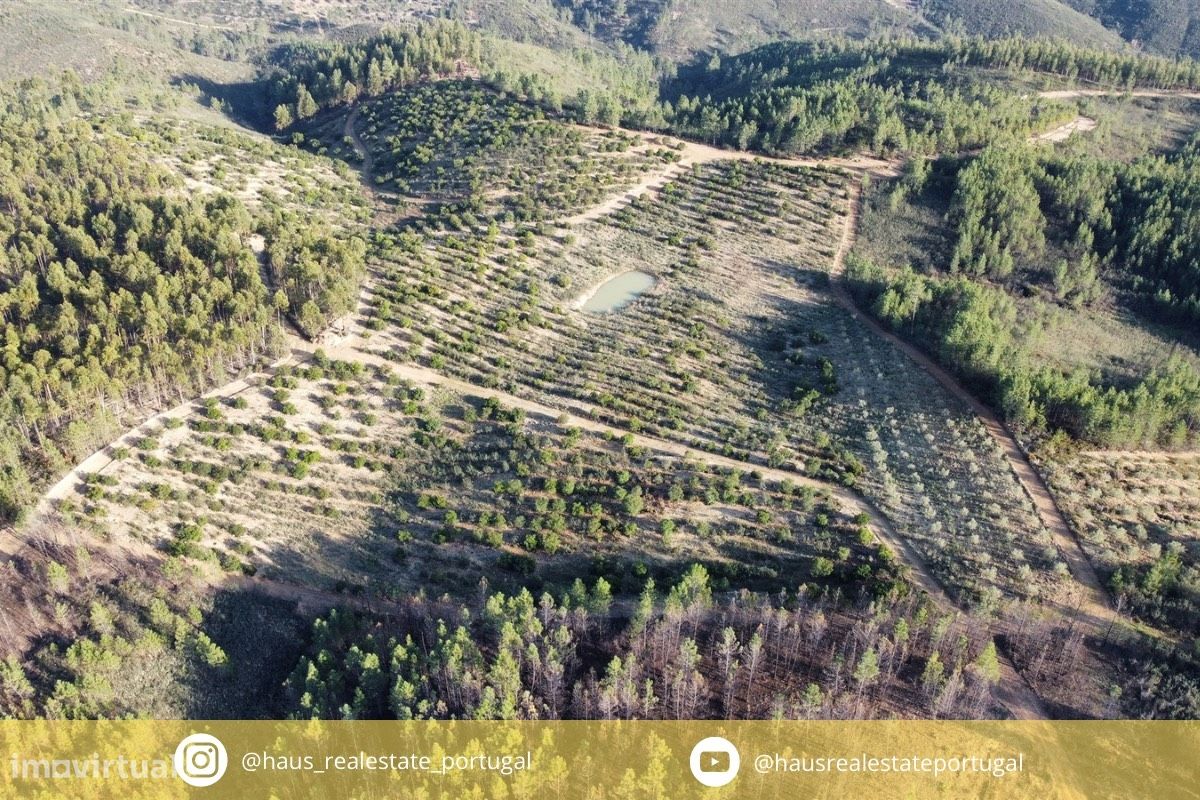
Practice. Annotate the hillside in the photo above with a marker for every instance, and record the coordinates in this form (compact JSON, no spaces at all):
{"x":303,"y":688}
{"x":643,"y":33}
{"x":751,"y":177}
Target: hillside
{"x":679,"y":29}
{"x":94,"y":36}
{"x":1053,"y":19}
{"x":1170,"y":27}
{"x":501,"y":369}
{"x":171,"y":37}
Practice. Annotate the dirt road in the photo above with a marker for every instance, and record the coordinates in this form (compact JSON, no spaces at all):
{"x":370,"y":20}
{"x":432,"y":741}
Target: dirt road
{"x":1071,"y":94}
{"x":1143,"y":455}
{"x":177,"y":21}
{"x":652,"y":182}
{"x":693,"y":153}
{"x":97,"y":462}
{"x":1013,"y":692}
{"x":1094,"y":608}
{"x":356,"y":142}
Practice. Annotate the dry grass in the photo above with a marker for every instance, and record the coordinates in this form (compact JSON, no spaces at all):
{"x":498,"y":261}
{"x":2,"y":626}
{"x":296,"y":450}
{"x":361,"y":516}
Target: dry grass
{"x":402,"y":495}
{"x":1132,"y":510}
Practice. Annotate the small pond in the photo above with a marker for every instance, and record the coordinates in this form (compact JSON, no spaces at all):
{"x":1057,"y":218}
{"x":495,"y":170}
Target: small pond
{"x":617,"y":292}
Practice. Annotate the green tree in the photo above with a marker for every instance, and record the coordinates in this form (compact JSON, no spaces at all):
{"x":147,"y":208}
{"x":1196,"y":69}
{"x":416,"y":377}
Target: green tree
{"x":306,"y":106}
{"x":987,"y":664}
{"x":284,"y":116}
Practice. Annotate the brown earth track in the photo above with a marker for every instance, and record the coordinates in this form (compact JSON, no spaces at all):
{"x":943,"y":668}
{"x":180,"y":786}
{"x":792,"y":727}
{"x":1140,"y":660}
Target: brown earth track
{"x":1095,"y":609}
{"x":1012,"y":692}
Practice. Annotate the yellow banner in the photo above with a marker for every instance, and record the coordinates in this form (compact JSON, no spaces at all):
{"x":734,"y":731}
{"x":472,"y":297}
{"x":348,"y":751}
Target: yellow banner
{"x":898,"y":760}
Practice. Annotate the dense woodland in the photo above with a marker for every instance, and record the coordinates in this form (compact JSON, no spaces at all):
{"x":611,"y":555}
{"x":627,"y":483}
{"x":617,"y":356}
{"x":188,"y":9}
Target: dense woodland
{"x":678,"y":653}
{"x":909,"y":96}
{"x":1134,"y":222}
{"x":1129,"y":227}
{"x":315,"y":77}
{"x":316,"y":271}
{"x":113,"y":287}
{"x":117,"y":289}
{"x":973,"y":328}
{"x":894,"y":96}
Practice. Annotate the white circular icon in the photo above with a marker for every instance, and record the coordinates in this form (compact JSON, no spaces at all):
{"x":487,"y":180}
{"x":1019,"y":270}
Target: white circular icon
{"x":715,"y":761}
{"x":200,"y":760}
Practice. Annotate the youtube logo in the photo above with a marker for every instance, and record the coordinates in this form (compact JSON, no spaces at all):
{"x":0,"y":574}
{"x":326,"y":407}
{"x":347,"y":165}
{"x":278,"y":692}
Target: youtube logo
{"x":715,"y":761}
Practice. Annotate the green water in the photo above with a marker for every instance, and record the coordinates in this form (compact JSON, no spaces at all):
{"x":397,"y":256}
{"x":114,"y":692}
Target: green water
{"x":618,"y":292}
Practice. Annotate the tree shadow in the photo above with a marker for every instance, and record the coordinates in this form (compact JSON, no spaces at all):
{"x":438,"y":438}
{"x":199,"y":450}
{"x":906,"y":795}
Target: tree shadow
{"x":246,"y":102}
{"x":263,"y":638}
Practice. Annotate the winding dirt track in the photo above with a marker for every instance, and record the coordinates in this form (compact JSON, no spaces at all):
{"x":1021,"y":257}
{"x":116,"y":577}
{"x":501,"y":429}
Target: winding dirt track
{"x":1012,"y":692}
{"x":649,"y":183}
{"x":1094,"y":608}
{"x":693,"y":153}
{"x":1080,"y":124}
{"x":1071,"y":94}
{"x":1143,"y":455}
{"x":177,"y":21}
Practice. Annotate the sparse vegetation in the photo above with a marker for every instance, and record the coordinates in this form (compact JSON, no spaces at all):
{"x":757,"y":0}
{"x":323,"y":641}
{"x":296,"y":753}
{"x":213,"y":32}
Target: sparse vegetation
{"x":366,"y":380}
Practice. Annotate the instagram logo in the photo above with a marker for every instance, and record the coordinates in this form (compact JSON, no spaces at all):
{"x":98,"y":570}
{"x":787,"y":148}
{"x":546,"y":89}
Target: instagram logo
{"x":200,"y":760}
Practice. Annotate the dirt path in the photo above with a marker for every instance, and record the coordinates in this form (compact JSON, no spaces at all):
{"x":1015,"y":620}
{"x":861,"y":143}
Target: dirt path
{"x":693,"y":153}
{"x":1013,"y":692}
{"x":651,"y":182}
{"x":359,"y":146}
{"x":696,"y":153}
{"x":1094,"y":608}
{"x":177,"y":21}
{"x":97,"y":462}
{"x":1070,"y":94}
{"x":1142,"y":455}
{"x":1080,"y":124}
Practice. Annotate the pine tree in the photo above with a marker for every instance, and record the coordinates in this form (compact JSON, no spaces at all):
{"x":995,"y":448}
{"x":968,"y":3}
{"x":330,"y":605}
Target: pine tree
{"x":987,"y":664}
{"x":306,"y":106}
{"x":932,"y":675}
{"x":283,"y":117}
{"x":867,"y":669}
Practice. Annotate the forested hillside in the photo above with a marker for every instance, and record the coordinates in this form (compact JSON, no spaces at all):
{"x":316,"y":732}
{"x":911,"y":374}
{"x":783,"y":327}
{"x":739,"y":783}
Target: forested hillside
{"x":323,"y":77}
{"x":680,"y":653}
{"x":111,"y":286}
{"x":1082,"y":228}
{"x":1048,"y":19}
{"x":118,"y":289}
{"x":1170,"y":27}
{"x":893,"y":96}
{"x":679,"y":29}
{"x":907,"y":96}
